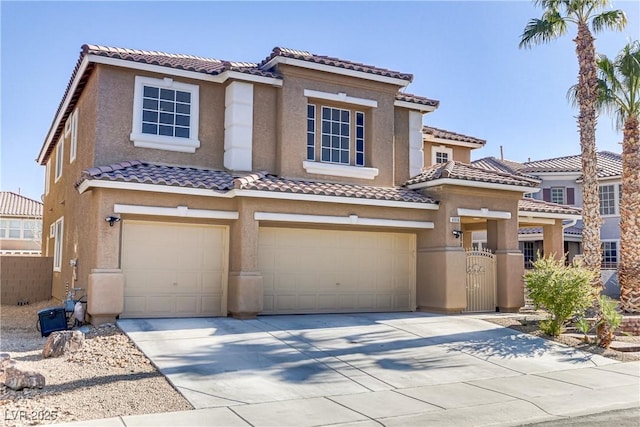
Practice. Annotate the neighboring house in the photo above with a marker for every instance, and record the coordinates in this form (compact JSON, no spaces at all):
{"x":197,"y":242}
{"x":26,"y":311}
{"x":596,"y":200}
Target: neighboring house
{"x":561,"y":182}
{"x":179,"y":185}
{"x":20,"y":225}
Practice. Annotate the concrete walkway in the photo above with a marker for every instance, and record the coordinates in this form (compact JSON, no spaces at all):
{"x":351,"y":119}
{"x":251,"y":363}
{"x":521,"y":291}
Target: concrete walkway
{"x":404,"y":369}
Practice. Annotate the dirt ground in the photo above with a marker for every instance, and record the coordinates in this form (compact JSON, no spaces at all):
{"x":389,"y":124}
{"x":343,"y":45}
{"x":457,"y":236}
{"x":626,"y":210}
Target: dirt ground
{"x":106,"y":378}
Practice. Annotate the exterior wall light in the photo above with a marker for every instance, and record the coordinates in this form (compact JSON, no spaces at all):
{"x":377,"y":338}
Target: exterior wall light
{"x":112,"y":219}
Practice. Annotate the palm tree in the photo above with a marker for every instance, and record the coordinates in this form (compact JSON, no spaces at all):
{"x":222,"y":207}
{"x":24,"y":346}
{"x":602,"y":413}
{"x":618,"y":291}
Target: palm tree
{"x":588,"y":16}
{"x":619,"y":94}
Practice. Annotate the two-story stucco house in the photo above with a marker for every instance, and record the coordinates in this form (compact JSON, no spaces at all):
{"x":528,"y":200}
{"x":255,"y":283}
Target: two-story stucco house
{"x":187,"y":186}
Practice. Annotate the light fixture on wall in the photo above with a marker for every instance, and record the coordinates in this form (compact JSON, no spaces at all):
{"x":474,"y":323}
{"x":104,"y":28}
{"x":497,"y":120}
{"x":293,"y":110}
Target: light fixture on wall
{"x":457,"y":233}
{"x":112,"y":219}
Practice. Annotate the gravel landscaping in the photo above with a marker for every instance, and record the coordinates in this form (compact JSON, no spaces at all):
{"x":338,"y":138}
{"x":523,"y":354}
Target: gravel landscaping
{"x":106,"y":378}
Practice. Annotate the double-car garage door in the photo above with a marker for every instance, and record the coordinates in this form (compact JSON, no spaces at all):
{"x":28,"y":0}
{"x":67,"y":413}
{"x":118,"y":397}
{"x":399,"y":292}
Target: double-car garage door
{"x":180,"y":270}
{"x":333,"y":271}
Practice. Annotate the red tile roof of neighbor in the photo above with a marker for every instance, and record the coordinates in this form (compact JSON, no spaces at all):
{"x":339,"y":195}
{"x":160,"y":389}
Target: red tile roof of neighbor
{"x":609,"y":164}
{"x":465,"y":172}
{"x":453,"y":136}
{"x":16,"y":205}
{"x":223,"y":181}
{"x":497,"y":165}
{"x":569,"y":231}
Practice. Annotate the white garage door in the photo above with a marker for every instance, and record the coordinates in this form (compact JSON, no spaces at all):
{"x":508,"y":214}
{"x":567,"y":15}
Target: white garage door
{"x":174,"y":270}
{"x":328,"y":271}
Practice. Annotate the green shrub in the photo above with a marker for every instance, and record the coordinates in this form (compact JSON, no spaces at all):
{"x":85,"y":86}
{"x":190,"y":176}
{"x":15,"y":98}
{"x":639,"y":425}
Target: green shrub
{"x":609,"y":319}
{"x":563,"y":291}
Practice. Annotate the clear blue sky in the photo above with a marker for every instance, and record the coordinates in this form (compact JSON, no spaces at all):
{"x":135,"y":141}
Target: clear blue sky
{"x":464,"y":54}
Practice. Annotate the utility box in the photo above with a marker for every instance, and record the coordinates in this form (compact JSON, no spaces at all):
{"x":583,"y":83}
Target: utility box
{"x":52,"y":319}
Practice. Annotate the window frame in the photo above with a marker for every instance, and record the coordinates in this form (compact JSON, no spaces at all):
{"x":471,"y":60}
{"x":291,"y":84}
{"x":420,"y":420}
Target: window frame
{"x":357,"y":149}
{"x":606,"y":262}
{"x":59,"y":160}
{"x":163,"y":142}
{"x":73,"y":145}
{"x":615,"y":199}
{"x":563,"y":190}
{"x":58,"y":244}
{"x":47,"y":176}
{"x":442,"y":149}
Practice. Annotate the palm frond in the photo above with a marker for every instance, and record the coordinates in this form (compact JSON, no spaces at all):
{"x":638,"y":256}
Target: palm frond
{"x":609,"y":20}
{"x":540,"y":31}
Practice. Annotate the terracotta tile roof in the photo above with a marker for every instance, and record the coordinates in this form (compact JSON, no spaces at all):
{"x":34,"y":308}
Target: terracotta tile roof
{"x":222,"y":181}
{"x":12,"y":204}
{"x":197,"y":64}
{"x":453,"y":136}
{"x":534,"y":205}
{"x":334,"y":62}
{"x":609,"y":164}
{"x":466,"y":172}
{"x":497,"y":165}
{"x":571,"y":231}
{"x":265,"y":182}
{"x":147,"y":173}
{"x":415,"y":99}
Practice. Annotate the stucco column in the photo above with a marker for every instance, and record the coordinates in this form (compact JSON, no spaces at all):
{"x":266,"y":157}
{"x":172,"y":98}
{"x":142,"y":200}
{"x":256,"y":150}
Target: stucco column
{"x":467,"y":239}
{"x":441,"y":269}
{"x":510,"y":263}
{"x":245,"y":281}
{"x":553,"y":239}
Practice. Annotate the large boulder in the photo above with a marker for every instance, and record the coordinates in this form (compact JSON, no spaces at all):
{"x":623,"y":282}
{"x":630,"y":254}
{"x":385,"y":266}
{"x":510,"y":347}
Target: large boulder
{"x":17,"y":379}
{"x":61,"y":342}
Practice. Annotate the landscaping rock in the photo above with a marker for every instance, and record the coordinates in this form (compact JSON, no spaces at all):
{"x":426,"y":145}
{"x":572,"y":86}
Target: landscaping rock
{"x":62,"y":342}
{"x":17,"y":379}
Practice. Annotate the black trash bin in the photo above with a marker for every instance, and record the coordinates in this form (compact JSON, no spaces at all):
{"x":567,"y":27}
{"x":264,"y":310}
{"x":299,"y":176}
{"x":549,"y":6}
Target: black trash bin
{"x":52,"y":319}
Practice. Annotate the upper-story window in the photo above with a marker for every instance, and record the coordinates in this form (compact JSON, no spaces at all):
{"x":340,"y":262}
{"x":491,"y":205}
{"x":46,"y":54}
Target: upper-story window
{"x":609,"y":199}
{"x":558,"y":195}
{"x":165,"y":114}
{"x":73,"y":131}
{"x":342,"y":139}
{"x":59,"y":158}
{"x":441,"y":154}
{"x":609,"y":254}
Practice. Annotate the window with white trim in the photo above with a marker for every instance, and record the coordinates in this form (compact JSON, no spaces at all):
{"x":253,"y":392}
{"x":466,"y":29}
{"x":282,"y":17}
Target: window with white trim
{"x":608,"y":201}
{"x":59,"y":159}
{"x":58,"y":244}
{"x":165,"y":114}
{"x":609,"y":254}
{"x":341,"y":136}
{"x":47,"y":176}
{"x":441,"y":154}
{"x":73,"y":146}
{"x":558,"y":195}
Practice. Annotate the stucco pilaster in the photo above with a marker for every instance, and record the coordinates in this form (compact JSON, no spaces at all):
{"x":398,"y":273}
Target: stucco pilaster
{"x":553,"y":239}
{"x":245,"y":281}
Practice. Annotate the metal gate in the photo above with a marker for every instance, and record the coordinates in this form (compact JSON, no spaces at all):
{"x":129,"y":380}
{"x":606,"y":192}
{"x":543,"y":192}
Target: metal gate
{"x":481,"y":280}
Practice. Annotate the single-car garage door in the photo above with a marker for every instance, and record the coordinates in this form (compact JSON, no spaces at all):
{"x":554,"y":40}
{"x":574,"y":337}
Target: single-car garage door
{"x":331,"y":271}
{"x":174,"y":270}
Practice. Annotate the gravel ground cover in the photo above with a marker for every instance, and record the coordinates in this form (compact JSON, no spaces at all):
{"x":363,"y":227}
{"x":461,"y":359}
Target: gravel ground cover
{"x":529,"y":325}
{"x":106,"y":378}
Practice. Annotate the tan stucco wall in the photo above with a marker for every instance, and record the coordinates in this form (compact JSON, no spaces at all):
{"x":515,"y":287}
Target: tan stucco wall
{"x":460,"y":154}
{"x":113,"y":130}
{"x":265,"y":133}
{"x":379,"y":122}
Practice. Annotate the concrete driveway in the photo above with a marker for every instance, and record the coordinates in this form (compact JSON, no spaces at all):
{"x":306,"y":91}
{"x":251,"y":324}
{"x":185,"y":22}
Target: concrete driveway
{"x":367,"y":369}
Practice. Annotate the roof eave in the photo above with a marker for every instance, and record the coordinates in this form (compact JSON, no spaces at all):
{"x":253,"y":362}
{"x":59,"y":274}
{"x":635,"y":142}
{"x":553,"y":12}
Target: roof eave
{"x":473,"y":184}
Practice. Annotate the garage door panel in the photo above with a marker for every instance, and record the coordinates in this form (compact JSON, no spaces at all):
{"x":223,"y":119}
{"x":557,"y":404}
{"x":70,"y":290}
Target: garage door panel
{"x":315,"y":271}
{"x":174,"y":270}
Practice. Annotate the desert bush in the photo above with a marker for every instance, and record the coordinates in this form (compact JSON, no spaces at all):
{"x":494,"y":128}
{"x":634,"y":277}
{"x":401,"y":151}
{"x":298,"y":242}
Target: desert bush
{"x":563,"y":291}
{"x":609,"y":319}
